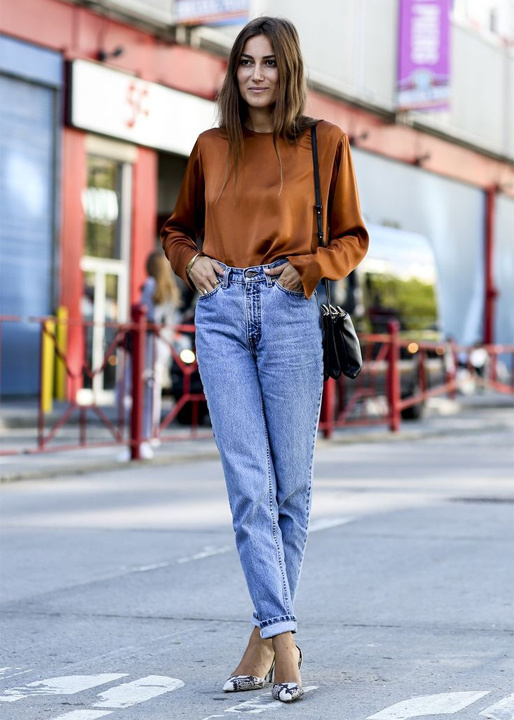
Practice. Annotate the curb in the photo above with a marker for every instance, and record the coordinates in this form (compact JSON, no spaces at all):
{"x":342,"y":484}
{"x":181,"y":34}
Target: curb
{"x":176,"y":458}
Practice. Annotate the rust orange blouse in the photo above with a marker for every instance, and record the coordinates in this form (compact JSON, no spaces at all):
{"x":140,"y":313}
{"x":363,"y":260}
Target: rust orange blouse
{"x":263,"y":227}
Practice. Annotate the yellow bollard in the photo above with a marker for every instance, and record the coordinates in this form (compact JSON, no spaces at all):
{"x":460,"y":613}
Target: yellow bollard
{"x":62,"y":345}
{"x":47,"y":366}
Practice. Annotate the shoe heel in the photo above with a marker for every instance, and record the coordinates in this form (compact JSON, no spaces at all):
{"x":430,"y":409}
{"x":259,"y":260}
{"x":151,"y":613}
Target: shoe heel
{"x":301,"y":657}
{"x":271,"y":673}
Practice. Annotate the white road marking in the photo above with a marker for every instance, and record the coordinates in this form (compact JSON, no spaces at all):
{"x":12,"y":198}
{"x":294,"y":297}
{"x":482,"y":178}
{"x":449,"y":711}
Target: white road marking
{"x":315,"y":526}
{"x":502,"y":710}
{"x":64,"y":685}
{"x":258,"y":704}
{"x":155,"y":566}
{"x":5,"y":670}
{"x":207,"y":552}
{"x":324,"y":523}
{"x":146,"y":568}
{"x":84,"y":715}
{"x":439,"y":704}
{"x":138,"y":691}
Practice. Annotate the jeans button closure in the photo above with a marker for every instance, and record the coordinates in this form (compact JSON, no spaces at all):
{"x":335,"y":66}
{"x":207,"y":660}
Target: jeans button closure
{"x":251,"y":273}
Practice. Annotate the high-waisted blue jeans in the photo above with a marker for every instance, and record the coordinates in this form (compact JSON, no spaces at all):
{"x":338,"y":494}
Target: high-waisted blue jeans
{"x":260,"y":358}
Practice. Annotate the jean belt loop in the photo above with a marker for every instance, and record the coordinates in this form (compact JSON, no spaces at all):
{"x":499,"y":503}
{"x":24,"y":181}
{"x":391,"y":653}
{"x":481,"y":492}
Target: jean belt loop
{"x":226,"y":274}
{"x":269,"y":279}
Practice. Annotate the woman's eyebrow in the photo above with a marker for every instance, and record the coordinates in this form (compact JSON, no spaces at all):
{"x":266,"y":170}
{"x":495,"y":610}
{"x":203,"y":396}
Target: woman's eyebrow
{"x":264,"y":57}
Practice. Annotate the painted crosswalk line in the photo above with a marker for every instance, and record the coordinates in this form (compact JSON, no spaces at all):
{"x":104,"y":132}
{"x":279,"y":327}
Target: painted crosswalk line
{"x":502,"y":710}
{"x":126,"y":695}
{"x":84,"y":715}
{"x":64,"y":685}
{"x":9,"y":672}
{"x":138,"y":691}
{"x":439,"y":704}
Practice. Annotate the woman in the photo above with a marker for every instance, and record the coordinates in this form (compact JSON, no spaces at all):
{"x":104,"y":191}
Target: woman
{"x":249,"y":185}
{"x":162,"y":298}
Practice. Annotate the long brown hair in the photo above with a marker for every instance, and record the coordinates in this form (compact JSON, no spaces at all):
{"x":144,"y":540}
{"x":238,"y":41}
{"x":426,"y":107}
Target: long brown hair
{"x":288,"y":119}
{"x":166,"y":289}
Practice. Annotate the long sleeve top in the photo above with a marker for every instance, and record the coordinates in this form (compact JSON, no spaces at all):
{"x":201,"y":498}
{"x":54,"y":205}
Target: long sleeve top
{"x":262,"y":226}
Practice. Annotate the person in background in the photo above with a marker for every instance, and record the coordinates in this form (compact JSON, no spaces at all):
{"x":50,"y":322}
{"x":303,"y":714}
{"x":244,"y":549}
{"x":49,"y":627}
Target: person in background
{"x":162,"y":298}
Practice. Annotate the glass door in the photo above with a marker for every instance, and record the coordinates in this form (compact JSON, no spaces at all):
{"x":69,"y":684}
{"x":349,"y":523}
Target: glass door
{"x":107,"y":203}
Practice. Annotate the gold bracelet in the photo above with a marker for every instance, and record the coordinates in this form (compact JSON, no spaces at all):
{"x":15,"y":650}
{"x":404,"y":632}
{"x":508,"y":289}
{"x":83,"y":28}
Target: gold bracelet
{"x":190,"y":263}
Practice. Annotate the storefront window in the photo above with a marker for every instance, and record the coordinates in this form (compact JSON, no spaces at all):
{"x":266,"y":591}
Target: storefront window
{"x":102,"y":203}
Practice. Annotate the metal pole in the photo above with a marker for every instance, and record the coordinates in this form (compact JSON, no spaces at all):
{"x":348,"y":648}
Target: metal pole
{"x":138,"y":366}
{"x":491,"y":292}
{"x":327,"y":408}
{"x":452,"y":374}
{"x":393,"y":376}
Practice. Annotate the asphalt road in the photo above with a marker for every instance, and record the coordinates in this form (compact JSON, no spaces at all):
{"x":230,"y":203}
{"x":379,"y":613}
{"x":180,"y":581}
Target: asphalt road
{"x":123,"y":597}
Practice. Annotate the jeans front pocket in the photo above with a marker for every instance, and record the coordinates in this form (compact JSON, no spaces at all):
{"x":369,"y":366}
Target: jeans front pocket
{"x":294,"y":293}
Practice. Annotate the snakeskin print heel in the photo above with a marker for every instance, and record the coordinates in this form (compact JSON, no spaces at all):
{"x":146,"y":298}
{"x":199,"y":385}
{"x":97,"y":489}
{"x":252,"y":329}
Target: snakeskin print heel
{"x":289,"y":691}
{"x":236,"y":683}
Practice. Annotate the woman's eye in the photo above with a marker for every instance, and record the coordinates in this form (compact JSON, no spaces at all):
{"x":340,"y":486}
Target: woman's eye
{"x":244,"y":60}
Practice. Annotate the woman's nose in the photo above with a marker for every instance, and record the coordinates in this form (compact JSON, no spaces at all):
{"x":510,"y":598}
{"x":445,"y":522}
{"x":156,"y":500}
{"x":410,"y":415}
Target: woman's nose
{"x":257,"y":73}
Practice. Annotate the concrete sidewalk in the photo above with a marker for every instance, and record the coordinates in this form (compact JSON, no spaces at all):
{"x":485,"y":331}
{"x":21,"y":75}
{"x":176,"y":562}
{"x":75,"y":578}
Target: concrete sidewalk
{"x":442,"y":417}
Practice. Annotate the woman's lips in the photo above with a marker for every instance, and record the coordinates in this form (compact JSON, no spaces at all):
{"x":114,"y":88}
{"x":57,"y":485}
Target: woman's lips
{"x":258,"y":90}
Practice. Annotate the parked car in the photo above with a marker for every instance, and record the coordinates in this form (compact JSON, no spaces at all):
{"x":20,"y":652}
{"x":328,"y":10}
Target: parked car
{"x":397,"y":280}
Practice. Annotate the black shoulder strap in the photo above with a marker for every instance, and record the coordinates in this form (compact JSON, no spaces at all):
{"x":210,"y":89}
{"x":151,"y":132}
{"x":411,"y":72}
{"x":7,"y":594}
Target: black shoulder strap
{"x":318,"y":205}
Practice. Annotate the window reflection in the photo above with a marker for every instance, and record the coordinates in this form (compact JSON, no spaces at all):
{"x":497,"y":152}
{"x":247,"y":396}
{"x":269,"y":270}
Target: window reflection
{"x":101,"y":204}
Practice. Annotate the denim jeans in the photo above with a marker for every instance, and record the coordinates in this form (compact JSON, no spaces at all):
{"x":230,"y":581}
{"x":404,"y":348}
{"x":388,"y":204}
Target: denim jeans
{"x":260,"y":359}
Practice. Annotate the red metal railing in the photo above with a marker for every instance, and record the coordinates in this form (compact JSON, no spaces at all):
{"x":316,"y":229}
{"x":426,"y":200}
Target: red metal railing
{"x":387,"y":382}
{"x":428,"y":382}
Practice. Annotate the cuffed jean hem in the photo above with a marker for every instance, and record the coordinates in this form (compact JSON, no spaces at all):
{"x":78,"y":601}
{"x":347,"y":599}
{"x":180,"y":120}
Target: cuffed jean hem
{"x":275,"y":626}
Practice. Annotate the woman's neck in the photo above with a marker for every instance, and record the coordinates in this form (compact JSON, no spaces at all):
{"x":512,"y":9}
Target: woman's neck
{"x":259,"y":121}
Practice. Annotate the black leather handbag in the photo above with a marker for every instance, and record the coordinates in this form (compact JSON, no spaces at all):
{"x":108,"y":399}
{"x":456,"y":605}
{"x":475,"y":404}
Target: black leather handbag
{"x":341,"y":347}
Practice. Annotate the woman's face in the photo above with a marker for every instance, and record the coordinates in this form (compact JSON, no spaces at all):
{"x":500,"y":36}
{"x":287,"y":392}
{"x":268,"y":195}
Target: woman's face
{"x":258,"y":69}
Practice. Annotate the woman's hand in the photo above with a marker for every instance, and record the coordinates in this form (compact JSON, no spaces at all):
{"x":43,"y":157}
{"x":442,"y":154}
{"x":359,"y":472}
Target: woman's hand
{"x":289,"y":276}
{"x":203,"y":274}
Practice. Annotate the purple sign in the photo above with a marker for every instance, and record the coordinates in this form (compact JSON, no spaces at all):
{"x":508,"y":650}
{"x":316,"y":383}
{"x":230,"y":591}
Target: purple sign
{"x":424,"y":61}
